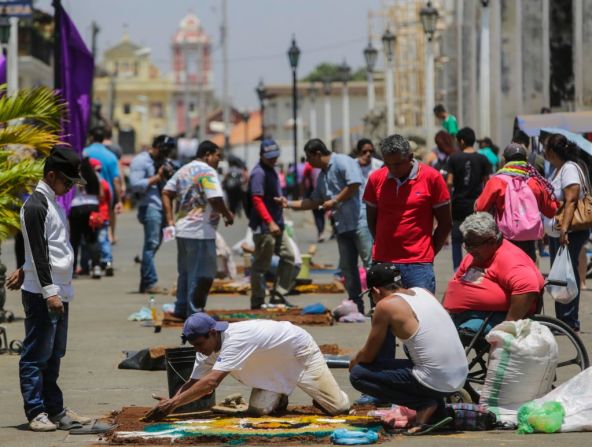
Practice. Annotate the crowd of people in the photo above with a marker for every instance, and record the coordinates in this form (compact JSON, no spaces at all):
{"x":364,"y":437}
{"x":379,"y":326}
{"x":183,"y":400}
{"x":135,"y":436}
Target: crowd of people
{"x":391,"y":213}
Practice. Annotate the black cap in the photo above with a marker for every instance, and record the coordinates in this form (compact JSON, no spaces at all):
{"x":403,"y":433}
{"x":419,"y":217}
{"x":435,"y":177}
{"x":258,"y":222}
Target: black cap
{"x":66,"y":161}
{"x":515,"y":149}
{"x":382,"y":275}
{"x":164,"y":142}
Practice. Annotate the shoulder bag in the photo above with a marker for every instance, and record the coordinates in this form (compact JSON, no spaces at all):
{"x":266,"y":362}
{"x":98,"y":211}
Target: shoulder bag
{"x":582,"y":218}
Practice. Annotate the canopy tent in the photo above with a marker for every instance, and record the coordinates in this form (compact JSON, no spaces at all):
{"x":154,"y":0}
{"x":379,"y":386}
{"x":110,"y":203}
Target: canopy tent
{"x":576,"y":122}
{"x":583,"y":144}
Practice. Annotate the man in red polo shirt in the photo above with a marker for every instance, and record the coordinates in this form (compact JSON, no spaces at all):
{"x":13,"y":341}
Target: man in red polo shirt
{"x":403,"y":198}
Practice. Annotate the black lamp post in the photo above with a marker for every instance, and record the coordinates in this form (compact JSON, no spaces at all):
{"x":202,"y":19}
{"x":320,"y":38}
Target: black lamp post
{"x":294,"y":56}
{"x":370,"y":55}
{"x":245,"y":115}
{"x":262,"y":94}
{"x":429,"y":16}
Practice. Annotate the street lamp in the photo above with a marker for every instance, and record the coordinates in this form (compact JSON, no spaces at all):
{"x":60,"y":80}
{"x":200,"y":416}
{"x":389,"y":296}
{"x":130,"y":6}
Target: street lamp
{"x":345,"y":71}
{"x":312,"y":94}
{"x":245,"y":115}
{"x":388,"y":46}
{"x":371,"y":55}
{"x":262,"y":95}
{"x":327,"y":92}
{"x":484,"y":73}
{"x":429,"y":17}
{"x":293,"y":57}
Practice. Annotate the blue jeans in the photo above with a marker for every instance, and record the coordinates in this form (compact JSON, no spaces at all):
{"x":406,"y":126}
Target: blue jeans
{"x":152,"y":220}
{"x":418,"y":275}
{"x":348,"y":263}
{"x":474,"y":319}
{"x":569,"y":313}
{"x":196,"y":265}
{"x":457,"y":241}
{"x":106,"y":255}
{"x":39,"y":367}
{"x":392,"y":380}
{"x":364,"y":243}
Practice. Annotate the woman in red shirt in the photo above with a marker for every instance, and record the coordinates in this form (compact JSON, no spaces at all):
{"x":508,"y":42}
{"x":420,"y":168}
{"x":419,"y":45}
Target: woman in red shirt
{"x":495,"y":276}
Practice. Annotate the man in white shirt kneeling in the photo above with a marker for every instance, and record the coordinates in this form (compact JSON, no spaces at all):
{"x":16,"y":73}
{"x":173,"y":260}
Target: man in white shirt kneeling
{"x":271,"y":357}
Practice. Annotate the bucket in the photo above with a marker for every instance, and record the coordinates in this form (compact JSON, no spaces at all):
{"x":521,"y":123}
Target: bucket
{"x":305,"y":268}
{"x":179,"y":366}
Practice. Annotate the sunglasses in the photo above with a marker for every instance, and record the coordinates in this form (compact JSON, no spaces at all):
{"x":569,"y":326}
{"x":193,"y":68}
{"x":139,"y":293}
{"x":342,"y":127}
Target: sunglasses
{"x":369,"y":151}
{"x":67,"y":182}
{"x":472,"y":245}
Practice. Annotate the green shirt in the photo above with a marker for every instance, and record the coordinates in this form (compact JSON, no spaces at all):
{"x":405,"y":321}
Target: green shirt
{"x":450,"y":125}
{"x":491,"y":157}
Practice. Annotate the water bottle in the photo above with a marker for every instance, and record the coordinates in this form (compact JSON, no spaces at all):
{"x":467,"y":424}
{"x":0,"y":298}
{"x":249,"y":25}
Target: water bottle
{"x":54,"y":317}
{"x":152,"y":306}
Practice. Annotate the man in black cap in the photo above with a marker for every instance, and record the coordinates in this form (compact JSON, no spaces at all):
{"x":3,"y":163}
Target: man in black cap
{"x":437,"y":365}
{"x":45,"y":280}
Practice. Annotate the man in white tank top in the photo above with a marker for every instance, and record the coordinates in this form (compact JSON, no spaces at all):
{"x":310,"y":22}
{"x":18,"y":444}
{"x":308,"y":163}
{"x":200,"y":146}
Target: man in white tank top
{"x":437,"y":365}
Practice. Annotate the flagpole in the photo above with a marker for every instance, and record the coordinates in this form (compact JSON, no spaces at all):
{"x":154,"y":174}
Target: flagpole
{"x":57,"y":24}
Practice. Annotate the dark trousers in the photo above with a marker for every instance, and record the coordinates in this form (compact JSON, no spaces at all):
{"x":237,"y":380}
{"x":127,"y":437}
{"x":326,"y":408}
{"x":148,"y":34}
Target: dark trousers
{"x":39,"y":367}
{"x":528,"y":247}
{"x":393,"y":381}
{"x":319,"y":218}
{"x":348,"y":263}
{"x":80,"y":229}
{"x":569,"y":313}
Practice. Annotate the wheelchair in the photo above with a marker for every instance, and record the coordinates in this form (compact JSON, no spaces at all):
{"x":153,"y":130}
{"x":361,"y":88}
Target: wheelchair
{"x":573,"y":357}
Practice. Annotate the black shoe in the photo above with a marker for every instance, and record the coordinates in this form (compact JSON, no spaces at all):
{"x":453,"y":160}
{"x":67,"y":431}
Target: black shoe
{"x":257,"y":307}
{"x":279,"y":299}
{"x":108,"y":269}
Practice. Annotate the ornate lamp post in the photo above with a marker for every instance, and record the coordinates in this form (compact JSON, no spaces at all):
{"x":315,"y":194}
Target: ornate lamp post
{"x":388,"y":46}
{"x":345,"y":71}
{"x":370,"y":55}
{"x":261,"y":94}
{"x":245,"y":115}
{"x":429,"y":17}
{"x":293,"y":57}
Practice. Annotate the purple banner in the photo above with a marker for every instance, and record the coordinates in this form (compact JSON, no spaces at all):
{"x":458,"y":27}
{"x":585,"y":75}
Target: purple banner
{"x":2,"y":68}
{"x":77,"y":70}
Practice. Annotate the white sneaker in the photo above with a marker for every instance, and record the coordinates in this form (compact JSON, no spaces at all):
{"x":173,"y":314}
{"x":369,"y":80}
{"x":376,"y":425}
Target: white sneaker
{"x":96,"y":272}
{"x":41,"y":422}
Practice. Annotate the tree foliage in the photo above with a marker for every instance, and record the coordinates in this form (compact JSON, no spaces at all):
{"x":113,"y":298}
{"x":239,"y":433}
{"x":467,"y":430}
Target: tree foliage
{"x":30,"y":123}
{"x":330,"y":71}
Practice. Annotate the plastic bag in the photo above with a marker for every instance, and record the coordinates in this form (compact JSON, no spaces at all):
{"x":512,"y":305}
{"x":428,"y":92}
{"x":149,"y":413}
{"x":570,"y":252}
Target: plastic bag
{"x":522,"y":363}
{"x":545,"y":418}
{"x":342,"y":436}
{"x":562,"y":272}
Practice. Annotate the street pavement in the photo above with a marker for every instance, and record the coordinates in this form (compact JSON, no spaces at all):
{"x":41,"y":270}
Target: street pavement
{"x":99,"y":332}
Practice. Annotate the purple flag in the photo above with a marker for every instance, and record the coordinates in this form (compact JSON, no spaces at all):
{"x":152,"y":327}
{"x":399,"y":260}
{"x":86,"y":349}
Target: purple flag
{"x":77,"y":70}
{"x":2,"y":68}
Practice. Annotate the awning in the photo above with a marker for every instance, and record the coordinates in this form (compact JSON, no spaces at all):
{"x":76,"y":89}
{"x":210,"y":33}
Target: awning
{"x":583,"y":144}
{"x":576,"y":122}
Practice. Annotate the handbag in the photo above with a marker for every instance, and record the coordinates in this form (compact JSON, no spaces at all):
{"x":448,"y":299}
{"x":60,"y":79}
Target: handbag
{"x":582,"y":218}
{"x":95,"y":220}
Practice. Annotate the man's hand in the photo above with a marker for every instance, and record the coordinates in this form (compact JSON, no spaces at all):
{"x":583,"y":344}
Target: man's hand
{"x":15,"y":280}
{"x":55,"y":305}
{"x":330,"y":204}
{"x":274,"y":229}
{"x":282,"y":201}
{"x":160,"y":410}
{"x":228,"y":218}
{"x":563,"y":237}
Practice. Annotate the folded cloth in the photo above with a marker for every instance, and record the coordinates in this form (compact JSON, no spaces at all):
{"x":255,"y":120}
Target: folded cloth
{"x":345,"y":308}
{"x":342,"y":436}
{"x":354,"y":317}
{"x":144,"y":314}
{"x":313,"y":309}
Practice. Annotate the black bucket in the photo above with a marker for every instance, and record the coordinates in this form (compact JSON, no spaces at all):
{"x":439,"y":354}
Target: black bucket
{"x":179,"y":366}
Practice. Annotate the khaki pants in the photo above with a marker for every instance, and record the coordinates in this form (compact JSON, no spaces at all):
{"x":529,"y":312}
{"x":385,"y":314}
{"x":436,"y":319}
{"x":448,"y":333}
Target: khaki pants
{"x":266,"y":245}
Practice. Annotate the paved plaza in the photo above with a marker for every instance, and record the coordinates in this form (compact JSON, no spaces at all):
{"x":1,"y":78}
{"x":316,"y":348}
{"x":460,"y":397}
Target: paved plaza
{"x":99,"y":332}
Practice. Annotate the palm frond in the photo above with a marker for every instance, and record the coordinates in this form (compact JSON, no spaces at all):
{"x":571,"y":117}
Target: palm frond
{"x":28,"y":135}
{"x":18,"y":178}
{"x":9,"y":221}
{"x":40,"y":104}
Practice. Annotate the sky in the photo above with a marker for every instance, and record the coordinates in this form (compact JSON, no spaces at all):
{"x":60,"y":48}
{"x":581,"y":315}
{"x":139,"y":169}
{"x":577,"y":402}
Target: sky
{"x":259,"y":33}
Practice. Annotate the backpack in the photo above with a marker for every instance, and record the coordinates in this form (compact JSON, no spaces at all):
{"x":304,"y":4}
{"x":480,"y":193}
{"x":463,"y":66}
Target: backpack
{"x":521,"y":219}
{"x":471,"y":417}
{"x":234,"y":179}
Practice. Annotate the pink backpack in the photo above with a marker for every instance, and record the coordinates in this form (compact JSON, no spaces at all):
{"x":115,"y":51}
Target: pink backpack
{"x":521,"y":219}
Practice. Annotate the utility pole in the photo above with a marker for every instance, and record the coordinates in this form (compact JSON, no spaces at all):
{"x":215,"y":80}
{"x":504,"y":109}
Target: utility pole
{"x":95,"y":32}
{"x":225,"y":96}
{"x":57,"y":44}
{"x":186,"y":98}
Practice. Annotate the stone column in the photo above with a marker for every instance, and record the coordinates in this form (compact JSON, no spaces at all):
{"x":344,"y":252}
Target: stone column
{"x":496,"y":72}
{"x":469,"y":65}
{"x":586,"y":21}
{"x":578,"y":52}
{"x":535,"y":69}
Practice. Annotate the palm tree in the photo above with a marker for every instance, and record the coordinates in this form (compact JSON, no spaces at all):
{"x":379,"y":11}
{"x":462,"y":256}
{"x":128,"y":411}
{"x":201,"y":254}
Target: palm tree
{"x":30,"y":123}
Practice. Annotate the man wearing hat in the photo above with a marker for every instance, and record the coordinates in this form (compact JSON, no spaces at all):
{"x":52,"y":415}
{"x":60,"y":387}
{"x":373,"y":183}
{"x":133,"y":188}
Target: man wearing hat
{"x":437,"y":365}
{"x":266,"y":219}
{"x":535,"y":199}
{"x":45,"y":280}
{"x":272,"y":357}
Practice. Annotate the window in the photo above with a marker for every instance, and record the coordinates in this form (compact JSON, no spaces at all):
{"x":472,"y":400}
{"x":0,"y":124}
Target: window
{"x":127,"y":108}
{"x":156,"y":110}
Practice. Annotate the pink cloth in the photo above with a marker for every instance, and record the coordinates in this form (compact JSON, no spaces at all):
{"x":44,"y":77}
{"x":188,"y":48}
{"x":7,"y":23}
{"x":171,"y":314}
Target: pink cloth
{"x":396,"y":417}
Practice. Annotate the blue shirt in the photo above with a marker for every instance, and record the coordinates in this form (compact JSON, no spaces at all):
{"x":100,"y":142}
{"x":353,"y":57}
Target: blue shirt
{"x":141,"y":169}
{"x":265,"y":182}
{"x":341,"y":172}
{"x":109,"y":164}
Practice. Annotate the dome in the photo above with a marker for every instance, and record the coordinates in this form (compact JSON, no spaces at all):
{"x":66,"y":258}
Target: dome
{"x":190,"y":30}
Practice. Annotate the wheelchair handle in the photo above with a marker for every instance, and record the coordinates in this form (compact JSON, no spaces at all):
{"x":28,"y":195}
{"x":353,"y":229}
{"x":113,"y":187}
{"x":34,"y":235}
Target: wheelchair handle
{"x":553,"y":282}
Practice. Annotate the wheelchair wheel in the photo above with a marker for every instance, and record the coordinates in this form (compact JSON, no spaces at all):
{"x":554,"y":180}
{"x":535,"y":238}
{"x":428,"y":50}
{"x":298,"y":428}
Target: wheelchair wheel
{"x":573,"y":357}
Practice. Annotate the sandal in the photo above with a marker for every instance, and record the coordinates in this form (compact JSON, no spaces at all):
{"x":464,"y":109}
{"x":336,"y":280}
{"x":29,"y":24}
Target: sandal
{"x":96,"y":427}
{"x":425,"y":429}
{"x":66,"y":423}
